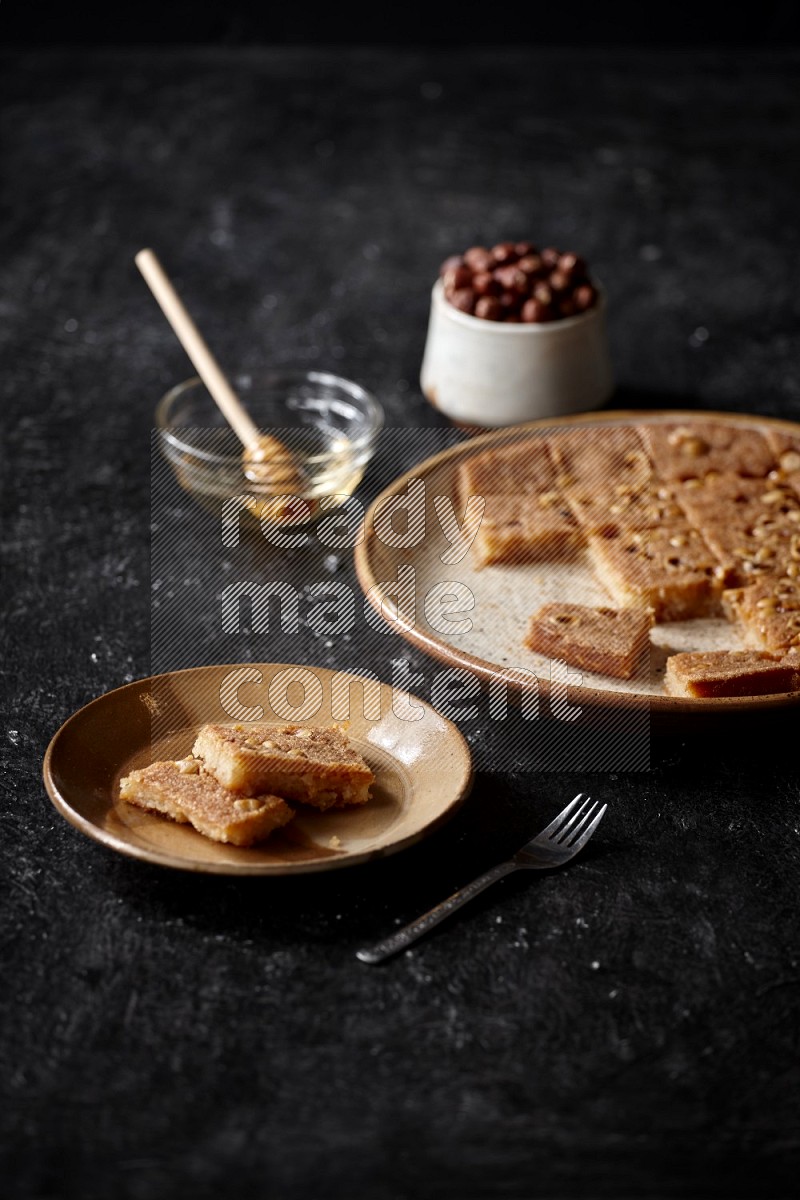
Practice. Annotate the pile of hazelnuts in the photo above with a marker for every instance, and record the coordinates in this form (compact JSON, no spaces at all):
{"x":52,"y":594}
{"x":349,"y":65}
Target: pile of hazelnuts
{"x":515,"y":282}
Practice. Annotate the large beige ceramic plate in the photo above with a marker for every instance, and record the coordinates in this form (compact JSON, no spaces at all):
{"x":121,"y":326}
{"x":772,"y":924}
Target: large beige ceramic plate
{"x":506,"y":596}
{"x":422,"y":766}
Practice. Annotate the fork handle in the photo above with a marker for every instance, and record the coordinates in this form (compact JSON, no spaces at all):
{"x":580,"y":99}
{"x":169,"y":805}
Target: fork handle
{"x":416,"y":929}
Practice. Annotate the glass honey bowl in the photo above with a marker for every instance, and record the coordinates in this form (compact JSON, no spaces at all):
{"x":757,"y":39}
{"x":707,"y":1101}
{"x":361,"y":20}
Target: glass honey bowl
{"x":328,"y":427}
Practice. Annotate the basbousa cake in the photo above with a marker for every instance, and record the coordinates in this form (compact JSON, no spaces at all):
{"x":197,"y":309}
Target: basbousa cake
{"x":606,"y":640}
{"x":188,"y":794}
{"x":306,"y":764}
{"x":731,"y":673}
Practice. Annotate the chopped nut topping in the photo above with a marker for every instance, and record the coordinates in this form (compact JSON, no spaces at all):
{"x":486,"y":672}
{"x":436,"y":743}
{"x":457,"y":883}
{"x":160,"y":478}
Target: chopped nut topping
{"x":248,"y":804}
{"x":790,"y":461}
{"x":688,"y":442}
{"x":547,"y":498}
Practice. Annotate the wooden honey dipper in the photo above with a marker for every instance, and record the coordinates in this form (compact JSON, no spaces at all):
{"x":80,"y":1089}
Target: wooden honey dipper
{"x":265,"y":459}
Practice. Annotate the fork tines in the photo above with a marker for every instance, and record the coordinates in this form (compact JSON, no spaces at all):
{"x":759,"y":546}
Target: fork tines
{"x":581,"y":824}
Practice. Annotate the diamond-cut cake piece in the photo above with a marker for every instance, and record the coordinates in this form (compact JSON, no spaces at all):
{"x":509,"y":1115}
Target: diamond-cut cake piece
{"x":311,"y":765}
{"x":525,"y":529}
{"x":606,"y":640}
{"x":769,"y":611}
{"x":187,"y":793}
{"x":669,"y":569}
{"x":752,"y":523}
{"x":731,"y":673}
{"x":691,"y":449}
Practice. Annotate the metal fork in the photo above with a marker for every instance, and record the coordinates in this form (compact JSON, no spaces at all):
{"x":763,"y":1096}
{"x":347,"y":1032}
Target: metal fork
{"x":554,"y":846}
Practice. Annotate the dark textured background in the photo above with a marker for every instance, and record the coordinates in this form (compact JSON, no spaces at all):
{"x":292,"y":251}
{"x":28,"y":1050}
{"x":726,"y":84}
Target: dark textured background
{"x":626,"y":1028}
{"x":774,"y":23}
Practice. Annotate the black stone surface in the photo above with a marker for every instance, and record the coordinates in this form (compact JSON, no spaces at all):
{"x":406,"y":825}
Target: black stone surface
{"x":626,"y":1028}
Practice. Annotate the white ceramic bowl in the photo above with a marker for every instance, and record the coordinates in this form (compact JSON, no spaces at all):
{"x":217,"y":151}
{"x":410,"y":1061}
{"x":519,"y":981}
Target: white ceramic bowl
{"x":490,"y":373}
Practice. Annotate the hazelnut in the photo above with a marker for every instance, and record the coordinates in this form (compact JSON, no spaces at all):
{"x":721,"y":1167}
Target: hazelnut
{"x":584,"y":297}
{"x":559,"y":281}
{"x":463,"y":300}
{"x":535,"y":312}
{"x":543,"y":293}
{"x":510,"y":302}
{"x":450,"y":264}
{"x":511,"y":279}
{"x":504,"y":252}
{"x":531,"y":264}
{"x":485,"y":284}
{"x":457,"y":277}
{"x":489,"y":308}
{"x":478,"y":258}
{"x":573,"y":266}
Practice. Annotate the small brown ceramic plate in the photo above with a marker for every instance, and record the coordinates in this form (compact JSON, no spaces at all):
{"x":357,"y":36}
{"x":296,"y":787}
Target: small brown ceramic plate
{"x":421,"y":763}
